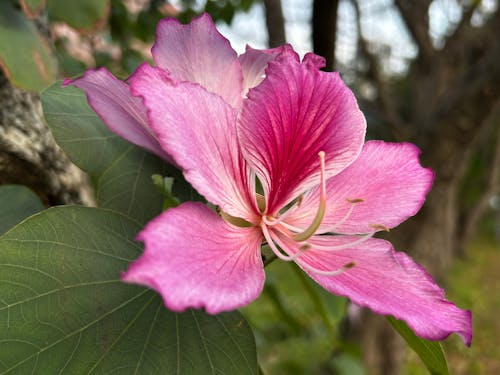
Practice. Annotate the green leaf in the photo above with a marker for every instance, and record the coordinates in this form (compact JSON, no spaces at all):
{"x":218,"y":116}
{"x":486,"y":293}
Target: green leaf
{"x":84,"y":15}
{"x":430,"y":352}
{"x":25,"y":57}
{"x":17,"y":202}
{"x":122,"y":172}
{"x":64,"y":310}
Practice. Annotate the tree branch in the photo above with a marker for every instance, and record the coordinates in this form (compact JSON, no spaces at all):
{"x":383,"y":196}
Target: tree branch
{"x":455,"y":40}
{"x":473,"y":91}
{"x":275,"y":23}
{"x":385,"y":99}
{"x":415,"y":15}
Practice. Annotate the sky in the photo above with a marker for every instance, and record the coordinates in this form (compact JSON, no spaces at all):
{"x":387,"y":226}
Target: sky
{"x":381,"y":25}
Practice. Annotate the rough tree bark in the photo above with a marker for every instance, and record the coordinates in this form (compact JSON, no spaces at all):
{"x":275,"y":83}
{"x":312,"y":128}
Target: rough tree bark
{"x":452,"y":92}
{"x":28,"y":153}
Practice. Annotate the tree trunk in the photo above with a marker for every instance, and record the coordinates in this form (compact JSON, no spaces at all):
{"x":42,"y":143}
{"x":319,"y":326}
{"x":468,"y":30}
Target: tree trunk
{"x":449,"y":94}
{"x":29,"y":155}
{"x":324,"y":25}
{"x":275,"y":23}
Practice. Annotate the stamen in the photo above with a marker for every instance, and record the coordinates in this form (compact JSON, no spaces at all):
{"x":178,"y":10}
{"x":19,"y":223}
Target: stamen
{"x":378,"y":227}
{"x":271,"y":221}
{"x":299,"y":200}
{"x":305,"y":247}
{"x":353,"y":202}
{"x":360,"y":240}
{"x":336,"y":272}
{"x":309,"y":232}
{"x":273,"y":247}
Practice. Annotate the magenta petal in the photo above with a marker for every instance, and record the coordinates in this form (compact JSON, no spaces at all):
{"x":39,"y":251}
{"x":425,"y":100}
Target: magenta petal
{"x":123,"y":114}
{"x":313,"y":60}
{"x":389,"y":180}
{"x":198,"y":129}
{"x":197,"y":52}
{"x":296,"y":112}
{"x":388,"y":282}
{"x":193,"y":258}
{"x":254,"y":63}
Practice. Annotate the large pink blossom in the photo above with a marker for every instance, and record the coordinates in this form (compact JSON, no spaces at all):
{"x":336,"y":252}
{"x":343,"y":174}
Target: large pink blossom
{"x":278,"y":146}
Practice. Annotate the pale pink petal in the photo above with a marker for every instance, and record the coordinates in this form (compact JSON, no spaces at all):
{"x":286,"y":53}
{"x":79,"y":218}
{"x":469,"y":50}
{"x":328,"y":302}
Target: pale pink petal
{"x":197,"y":52}
{"x":382,"y":188}
{"x":193,"y":258}
{"x":198,"y":129}
{"x":254,"y":63}
{"x":388,"y":282}
{"x":296,"y":112}
{"x":123,"y":114}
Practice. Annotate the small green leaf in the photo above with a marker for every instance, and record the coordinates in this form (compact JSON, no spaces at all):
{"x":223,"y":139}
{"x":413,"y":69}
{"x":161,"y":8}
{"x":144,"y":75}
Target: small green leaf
{"x":84,"y":15}
{"x":25,"y":57}
{"x":430,"y":352}
{"x":17,"y":202}
{"x":64,"y":310}
{"x":164,"y":185}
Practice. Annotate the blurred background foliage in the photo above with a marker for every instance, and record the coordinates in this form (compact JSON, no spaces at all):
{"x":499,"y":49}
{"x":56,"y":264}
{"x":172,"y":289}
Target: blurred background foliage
{"x":442,"y":93}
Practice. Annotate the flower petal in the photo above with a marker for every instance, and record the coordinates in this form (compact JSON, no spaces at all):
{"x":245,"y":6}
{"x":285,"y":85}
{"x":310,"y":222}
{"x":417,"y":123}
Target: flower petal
{"x":193,"y":258}
{"x":254,"y":63}
{"x":197,"y":52}
{"x":388,"y":282}
{"x":384,"y":186}
{"x":198,"y":129}
{"x":296,"y":112}
{"x":123,"y":114}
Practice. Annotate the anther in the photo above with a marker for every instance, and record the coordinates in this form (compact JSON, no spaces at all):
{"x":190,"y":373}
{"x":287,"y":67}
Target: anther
{"x":309,"y":232}
{"x":336,"y":272}
{"x":300,"y":199}
{"x":378,"y":227}
{"x":305,"y":247}
{"x":355,"y":200}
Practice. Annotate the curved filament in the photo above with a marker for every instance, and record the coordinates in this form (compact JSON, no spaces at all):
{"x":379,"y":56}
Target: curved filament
{"x":273,"y":247}
{"x":336,"y":272}
{"x":309,"y":232}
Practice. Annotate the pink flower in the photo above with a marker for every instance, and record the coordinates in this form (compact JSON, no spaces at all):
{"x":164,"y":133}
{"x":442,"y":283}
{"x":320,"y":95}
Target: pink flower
{"x":297,"y":136}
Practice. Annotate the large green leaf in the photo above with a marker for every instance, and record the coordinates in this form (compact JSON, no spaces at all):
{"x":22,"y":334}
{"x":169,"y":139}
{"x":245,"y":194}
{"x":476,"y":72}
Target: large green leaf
{"x":17,"y":202}
{"x":84,"y":15}
{"x":430,"y":352}
{"x":63,"y":309}
{"x":24,"y":55}
{"x":122,"y":172}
